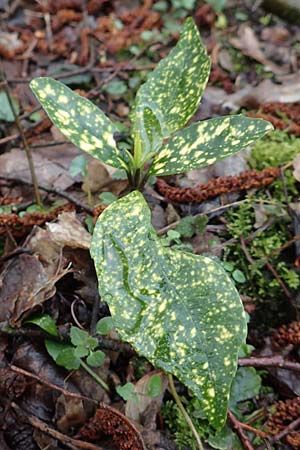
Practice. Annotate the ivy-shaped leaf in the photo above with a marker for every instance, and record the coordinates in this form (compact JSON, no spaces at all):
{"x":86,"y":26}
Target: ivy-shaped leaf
{"x":204,"y":143}
{"x":173,"y":90}
{"x":78,"y":119}
{"x":179,"y":310}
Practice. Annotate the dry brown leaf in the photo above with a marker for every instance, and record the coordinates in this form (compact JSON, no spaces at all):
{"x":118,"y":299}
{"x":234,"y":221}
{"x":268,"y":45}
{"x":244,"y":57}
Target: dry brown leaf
{"x":49,"y":174}
{"x":250,"y":46}
{"x":97,"y":176}
{"x":136,"y":407}
{"x":69,"y":232}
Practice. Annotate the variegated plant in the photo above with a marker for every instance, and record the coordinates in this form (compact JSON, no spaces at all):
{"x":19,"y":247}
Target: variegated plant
{"x":179,"y":310}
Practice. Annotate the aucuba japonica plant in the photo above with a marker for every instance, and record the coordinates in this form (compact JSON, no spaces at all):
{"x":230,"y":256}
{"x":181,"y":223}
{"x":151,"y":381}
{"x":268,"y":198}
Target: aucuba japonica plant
{"x":179,"y":310}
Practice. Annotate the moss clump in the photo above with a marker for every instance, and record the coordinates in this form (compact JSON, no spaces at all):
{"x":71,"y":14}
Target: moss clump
{"x":267,"y":209}
{"x":276,"y":149}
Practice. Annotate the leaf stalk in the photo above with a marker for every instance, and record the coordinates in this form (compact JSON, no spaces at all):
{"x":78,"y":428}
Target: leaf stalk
{"x":96,"y":377}
{"x":184,"y":412}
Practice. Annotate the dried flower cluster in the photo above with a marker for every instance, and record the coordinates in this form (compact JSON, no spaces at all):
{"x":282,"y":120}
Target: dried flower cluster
{"x":286,"y":412}
{"x":287,"y":334}
{"x":246,"y":180}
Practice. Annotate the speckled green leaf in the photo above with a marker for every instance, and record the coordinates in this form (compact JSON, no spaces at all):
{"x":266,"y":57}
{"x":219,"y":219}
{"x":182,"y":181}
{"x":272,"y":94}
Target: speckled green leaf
{"x":179,"y":310}
{"x":78,"y":119}
{"x":204,"y":143}
{"x":173,"y":90}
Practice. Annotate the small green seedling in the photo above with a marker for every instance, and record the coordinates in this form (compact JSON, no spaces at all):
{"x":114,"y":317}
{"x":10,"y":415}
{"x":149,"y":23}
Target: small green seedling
{"x":81,"y":352}
{"x":179,"y":310}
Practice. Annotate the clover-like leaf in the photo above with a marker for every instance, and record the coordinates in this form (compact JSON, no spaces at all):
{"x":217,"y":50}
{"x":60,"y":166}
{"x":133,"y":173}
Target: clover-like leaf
{"x":78,"y":119}
{"x":204,"y":143}
{"x":95,"y":359}
{"x":78,"y":336}
{"x":179,"y":310}
{"x":173,"y":90}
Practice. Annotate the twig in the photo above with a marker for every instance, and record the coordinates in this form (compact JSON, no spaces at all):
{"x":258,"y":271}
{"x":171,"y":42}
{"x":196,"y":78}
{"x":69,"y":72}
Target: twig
{"x":245,"y":250}
{"x":291,"y":427}
{"x":24,"y":140}
{"x":269,"y":361}
{"x":271,"y":269}
{"x":49,"y":144}
{"x":14,"y":253}
{"x":53,"y":190}
{"x":236,"y":425}
{"x":253,"y":430}
{"x":282,"y":284}
{"x":104,"y":343}
{"x":164,"y":230}
{"x":81,"y":70}
{"x":65,"y":392}
{"x":286,"y":431}
{"x":42,"y":426}
{"x":184,"y":413}
{"x":9,"y":138}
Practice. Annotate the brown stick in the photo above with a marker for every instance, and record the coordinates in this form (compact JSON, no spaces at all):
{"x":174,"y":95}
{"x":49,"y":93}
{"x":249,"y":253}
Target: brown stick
{"x":236,"y":425}
{"x":42,"y":426}
{"x":280,"y":281}
{"x":291,"y":427}
{"x":51,"y":385}
{"x":24,"y":140}
{"x":253,"y":430}
{"x":59,"y":192}
{"x":269,"y":361}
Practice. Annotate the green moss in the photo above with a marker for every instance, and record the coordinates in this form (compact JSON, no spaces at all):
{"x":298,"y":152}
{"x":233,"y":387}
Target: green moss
{"x":276,"y":149}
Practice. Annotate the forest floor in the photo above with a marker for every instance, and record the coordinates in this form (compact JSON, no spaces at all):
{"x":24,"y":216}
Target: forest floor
{"x":245,"y":210}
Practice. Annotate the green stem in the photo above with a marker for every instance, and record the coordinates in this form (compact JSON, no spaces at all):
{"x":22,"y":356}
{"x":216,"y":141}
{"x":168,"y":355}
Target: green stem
{"x":138,"y":151}
{"x":184,"y":412}
{"x":94,"y":375}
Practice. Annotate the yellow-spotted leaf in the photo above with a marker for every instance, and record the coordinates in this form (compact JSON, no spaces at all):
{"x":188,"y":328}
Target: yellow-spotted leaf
{"x":173,"y":90}
{"x":78,"y":119}
{"x":204,"y":143}
{"x":179,"y":310}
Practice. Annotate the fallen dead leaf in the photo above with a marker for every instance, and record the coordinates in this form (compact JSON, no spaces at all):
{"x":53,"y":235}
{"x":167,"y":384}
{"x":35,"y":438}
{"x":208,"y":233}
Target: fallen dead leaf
{"x":69,"y":232}
{"x":97,"y":176}
{"x":249,"y":96}
{"x":10,"y":41}
{"x":26,"y":284}
{"x":249,"y":45}
{"x":137,"y":407}
{"x":49,"y":174}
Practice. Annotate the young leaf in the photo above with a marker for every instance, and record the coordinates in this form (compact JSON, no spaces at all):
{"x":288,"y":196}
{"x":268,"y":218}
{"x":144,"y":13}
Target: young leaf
{"x":154,"y":386}
{"x":179,"y":310}
{"x":104,"y":325}
{"x":68,"y":359}
{"x":173,"y":90}
{"x":78,"y":166}
{"x":95,"y":359}
{"x":78,"y":336}
{"x":204,"y":143}
{"x":45,"y":322}
{"x":63,"y":354}
{"x":78,"y":119}
{"x":81,"y":351}
{"x":126,"y":391}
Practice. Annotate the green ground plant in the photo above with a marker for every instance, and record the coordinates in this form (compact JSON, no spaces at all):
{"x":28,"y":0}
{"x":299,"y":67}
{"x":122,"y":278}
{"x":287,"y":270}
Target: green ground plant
{"x":276,"y":149}
{"x":179,"y":310}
